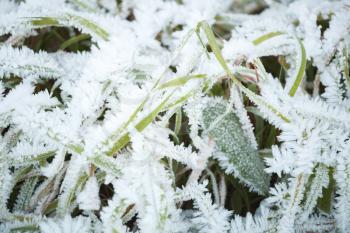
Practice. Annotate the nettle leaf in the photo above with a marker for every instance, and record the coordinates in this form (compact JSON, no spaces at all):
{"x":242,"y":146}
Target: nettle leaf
{"x":233,"y":148}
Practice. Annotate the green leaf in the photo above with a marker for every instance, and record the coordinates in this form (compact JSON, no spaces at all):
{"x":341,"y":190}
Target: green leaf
{"x":234,"y":151}
{"x":181,"y":81}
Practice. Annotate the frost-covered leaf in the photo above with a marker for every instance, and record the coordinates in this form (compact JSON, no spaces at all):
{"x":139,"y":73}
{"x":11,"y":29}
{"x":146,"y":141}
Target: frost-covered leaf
{"x":88,"y":198}
{"x":209,"y":218}
{"x":342,"y":177}
{"x":319,"y":181}
{"x":27,"y":64}
{"x":234,"y":151}
{"x":251,"y":224}
{"x":26,"y":192}
{"x":69,"y":19}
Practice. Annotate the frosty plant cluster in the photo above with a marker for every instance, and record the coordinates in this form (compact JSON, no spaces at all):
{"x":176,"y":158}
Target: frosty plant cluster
{"x":157,"y":116}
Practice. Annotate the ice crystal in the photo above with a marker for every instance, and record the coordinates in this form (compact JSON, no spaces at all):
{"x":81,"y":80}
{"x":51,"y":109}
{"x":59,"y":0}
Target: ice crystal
{"x":148,"y":116}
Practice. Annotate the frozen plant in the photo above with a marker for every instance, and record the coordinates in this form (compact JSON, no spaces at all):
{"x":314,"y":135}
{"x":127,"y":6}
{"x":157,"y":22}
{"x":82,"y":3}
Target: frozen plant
{"x":174,"y":116}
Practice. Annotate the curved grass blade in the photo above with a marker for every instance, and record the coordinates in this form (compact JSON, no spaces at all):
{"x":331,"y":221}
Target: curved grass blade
{"x":90,"y":25}
{"x":265,"y":37}
{"x":301,"y":63}
{"x":301,"y":70}
{"x":74,"y":40}
{"x":69,"y":19}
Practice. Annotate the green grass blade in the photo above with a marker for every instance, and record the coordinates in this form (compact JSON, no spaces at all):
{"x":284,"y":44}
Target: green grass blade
{"x":67,"y":20}
{"x":181,"y":81}
{"x":125,"y":138}
{"x":82,"y":5}
{"x":122,"y":141}
{"x":21,"y":173}
{"x":51,"y":207}
{"x":201,"y":41}
{"x":178,"y":120}
{"x":180,"y":100}
{"x":66,"y":200}
{"x":346,"y":67}
{"x":43,"y":156}
{"x":74,"y":40}
{"x":44,"y":21}
{"x":90,"y":25}
{"x":265,"y":37}
{"x":27,"y":228}
{"x":150,"y":117}
{"x":107,"y":164}
{"x":213,"y":45}
{"x":259,"y":101}
{"x":301,"y":70}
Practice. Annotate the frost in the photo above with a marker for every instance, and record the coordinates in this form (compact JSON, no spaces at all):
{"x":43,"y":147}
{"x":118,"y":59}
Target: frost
{"x":137,"y":103}
{"x":88,"y":198}
{"x":65,"y":225}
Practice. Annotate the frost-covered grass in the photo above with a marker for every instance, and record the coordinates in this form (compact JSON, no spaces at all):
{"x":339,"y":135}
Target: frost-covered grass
{"x":174,"y":116}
